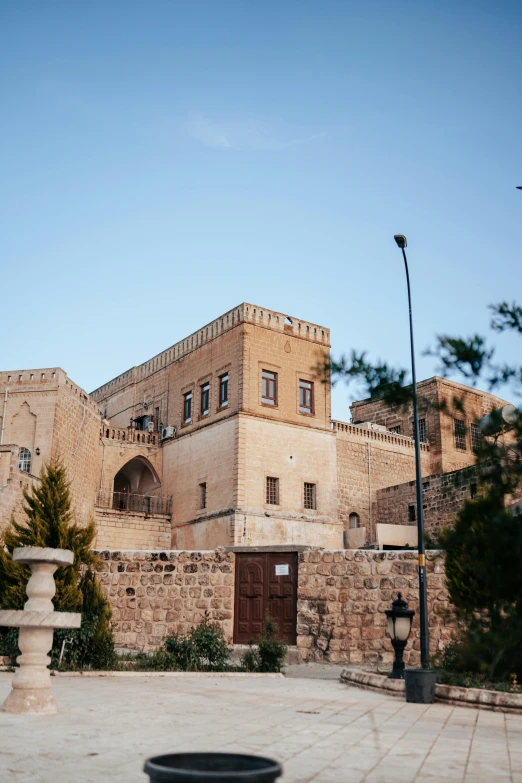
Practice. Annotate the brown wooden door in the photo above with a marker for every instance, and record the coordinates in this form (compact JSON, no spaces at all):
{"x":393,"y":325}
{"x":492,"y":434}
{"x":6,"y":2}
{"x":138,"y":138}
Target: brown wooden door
{"x":265,"y":582}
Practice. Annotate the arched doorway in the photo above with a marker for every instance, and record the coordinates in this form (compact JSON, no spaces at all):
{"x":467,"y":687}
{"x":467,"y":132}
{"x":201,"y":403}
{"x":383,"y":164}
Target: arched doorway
{"x":136,"y":486}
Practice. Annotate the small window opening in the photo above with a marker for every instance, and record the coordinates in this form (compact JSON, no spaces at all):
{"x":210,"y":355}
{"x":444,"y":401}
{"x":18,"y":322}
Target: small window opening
{"x":203,"y":494}
{"x":473,"y":490}
{"x":306,"y":397}
{"x":354,"y":520}
{"x":411,"y":513}
{"x":310,"y":496}
{"x":272,"y":491}
{"x":24,"y":460}
{"x":476,"y":437}
{"x":269,"y":388}
{"x":460,"y":434}
{"x":223,"y":390}
{"x":205,"y":399}
{"x":187,"y":407}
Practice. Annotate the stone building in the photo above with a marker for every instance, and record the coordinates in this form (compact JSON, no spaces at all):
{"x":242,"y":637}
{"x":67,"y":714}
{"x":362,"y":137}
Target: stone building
{"x":226,"y":439}
{"x":225,"y":442}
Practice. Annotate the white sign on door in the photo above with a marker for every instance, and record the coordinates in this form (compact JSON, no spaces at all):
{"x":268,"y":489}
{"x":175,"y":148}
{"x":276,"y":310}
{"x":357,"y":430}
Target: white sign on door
{"x":282,"y":570}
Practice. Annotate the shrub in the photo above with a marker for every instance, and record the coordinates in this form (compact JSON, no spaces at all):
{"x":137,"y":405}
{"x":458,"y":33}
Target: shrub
{"x":159,"y":661}
{"x":270,"y":653}
{"x":203,"y":649}
{"x":50,"y":522}
{"x":483,"y":555}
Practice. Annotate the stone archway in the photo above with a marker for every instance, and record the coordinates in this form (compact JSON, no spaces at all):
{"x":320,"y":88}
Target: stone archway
{"x":137,"y":477}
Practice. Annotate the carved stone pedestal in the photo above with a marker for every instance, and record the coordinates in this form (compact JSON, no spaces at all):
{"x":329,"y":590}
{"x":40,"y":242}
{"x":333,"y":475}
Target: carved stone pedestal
{"x":31,"y":692}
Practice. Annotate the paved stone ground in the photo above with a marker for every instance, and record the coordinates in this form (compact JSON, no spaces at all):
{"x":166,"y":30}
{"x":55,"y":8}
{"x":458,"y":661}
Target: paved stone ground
{"x":321,"y":730}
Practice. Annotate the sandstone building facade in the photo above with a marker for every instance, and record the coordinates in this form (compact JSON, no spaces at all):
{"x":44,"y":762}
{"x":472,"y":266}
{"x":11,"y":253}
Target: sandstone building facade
{"x":219,"y":481}
{"x":226,"y":439}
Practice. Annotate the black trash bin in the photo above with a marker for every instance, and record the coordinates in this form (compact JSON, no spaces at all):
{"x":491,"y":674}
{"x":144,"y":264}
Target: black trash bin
{"x":420,"y":685}
{"x":212,"y":768}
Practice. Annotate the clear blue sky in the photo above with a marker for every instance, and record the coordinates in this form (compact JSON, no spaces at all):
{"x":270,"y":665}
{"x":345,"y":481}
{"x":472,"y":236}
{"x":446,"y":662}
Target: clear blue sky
{"x":163,"y":161}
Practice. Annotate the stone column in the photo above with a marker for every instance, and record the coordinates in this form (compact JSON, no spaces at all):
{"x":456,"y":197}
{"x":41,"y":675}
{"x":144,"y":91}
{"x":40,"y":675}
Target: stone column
{"x":31,"y":690}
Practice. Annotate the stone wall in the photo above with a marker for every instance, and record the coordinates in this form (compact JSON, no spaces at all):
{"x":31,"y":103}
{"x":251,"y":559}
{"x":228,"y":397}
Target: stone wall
{"x":441,"y":401}
{"x":156,"y":594}
{"x":342,"y":596}
{"x":76,"y":439}
{"x":443,"y":495}
{"x":48,"y":414}
{"x":131,"y":529}
{"x":366,"y":462}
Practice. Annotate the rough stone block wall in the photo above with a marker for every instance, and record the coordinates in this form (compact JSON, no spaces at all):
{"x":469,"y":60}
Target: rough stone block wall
{"x":156,"y":594}
{"x":443,"y":496}
{"x":366,"y":462}
{"x":342,"y":596}
{"x":131,"y":530}
{"x":437,"y":405}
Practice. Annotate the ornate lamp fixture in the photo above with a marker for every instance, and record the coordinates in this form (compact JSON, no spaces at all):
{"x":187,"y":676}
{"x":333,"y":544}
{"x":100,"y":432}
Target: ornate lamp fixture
{"x":399,"y":626}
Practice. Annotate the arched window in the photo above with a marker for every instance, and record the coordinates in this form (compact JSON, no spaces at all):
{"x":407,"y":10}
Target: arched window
{"x":354,"y":520}
{"x":24,"y":460}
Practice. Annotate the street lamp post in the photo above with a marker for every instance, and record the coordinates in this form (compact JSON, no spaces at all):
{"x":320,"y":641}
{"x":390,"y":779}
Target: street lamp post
{"x":399,"y":626}
{"x":423,"y":603}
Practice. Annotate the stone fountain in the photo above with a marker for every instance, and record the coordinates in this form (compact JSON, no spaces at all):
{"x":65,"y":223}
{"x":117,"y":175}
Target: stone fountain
{"x":31,"y":692}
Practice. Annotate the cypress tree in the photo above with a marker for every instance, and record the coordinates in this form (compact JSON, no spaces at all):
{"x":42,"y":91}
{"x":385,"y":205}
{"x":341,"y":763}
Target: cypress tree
{"x":49,"y":522}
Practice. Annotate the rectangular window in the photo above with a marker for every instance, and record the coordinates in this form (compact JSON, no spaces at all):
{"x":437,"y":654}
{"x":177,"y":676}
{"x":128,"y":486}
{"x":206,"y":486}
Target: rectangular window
{"x":187,"y":407}
{"x":423,"y":432}
{"x":476,"y":437}
{"x":306,"y":397}
{"x":473,"y":490}
{"x":223,"y":390}
{"x":269,"y":388}
{"x":272,"y":491}
{"x":157,"y":422}
{"x":411,"y":513}
{"x":460,"y":434}
{"x":309,"y":496}
{"x":205,"y":399}
{"x":396,"y":430}
{"x":203,"y":495}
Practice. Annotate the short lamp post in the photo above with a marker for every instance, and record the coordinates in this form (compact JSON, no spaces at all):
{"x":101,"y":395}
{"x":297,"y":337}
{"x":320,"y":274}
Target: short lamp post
{"x":399,"y":626}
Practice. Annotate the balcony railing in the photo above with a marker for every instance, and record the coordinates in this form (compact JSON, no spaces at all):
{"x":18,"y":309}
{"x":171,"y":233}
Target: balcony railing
{"x":125,"y":501}
{"x":130,"y":435}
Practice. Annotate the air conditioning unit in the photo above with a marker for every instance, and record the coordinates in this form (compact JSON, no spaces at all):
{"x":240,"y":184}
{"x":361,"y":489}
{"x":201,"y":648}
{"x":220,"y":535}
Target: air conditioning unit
{"x":168,"y":432}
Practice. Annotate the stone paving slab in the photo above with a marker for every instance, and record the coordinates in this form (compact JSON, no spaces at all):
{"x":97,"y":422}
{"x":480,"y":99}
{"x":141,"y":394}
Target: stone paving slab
{"x":321,"y":730}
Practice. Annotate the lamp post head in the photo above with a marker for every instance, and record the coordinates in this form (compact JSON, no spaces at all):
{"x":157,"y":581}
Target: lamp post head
{"x":399,"y":620}
{"x":518,"y":187}
{"x":401,"y":241}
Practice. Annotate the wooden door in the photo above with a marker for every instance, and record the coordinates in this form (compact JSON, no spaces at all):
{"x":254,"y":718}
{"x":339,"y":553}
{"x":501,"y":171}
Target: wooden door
{"x":265,"y":582}
{"x":250,"y":597}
